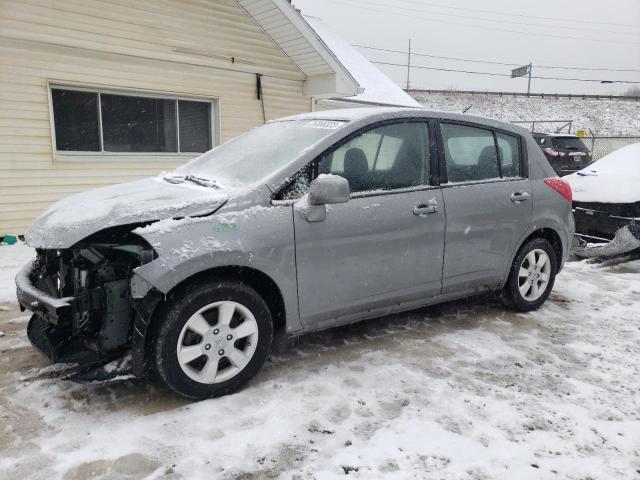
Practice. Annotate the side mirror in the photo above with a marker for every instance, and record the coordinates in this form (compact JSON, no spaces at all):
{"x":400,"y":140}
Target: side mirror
{"x":329,"y":189}
{"x":324,"y":190}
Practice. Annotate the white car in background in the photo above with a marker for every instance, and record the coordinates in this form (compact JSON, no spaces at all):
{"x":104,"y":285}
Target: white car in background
{"x":606,"y":203}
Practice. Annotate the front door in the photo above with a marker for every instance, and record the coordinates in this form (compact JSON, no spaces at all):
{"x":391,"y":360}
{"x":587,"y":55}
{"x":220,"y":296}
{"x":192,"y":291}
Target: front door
{"x":488,"y":205}
{"x":384,"y":247}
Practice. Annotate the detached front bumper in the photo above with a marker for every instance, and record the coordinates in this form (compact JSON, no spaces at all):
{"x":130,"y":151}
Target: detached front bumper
{"x":627,"y":239}
{"x":31,"y":298}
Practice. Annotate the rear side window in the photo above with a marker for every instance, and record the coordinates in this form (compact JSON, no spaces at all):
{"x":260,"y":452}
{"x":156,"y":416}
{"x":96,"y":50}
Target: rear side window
{"x":509,"y":149}
{"x":470,"y":153}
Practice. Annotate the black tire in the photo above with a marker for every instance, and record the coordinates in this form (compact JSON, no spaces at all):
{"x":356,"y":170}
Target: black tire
{"x":180,"y":307}
{"x":511,"y":294}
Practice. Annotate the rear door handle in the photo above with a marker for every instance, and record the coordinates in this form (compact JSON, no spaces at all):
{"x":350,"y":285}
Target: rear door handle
{"x":424,"y":209}
{"x":517,"y":197}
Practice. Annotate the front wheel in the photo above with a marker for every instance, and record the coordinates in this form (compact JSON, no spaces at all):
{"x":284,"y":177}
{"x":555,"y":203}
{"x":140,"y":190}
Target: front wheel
{"x":532,"y":275}
{"x":212,"y":339}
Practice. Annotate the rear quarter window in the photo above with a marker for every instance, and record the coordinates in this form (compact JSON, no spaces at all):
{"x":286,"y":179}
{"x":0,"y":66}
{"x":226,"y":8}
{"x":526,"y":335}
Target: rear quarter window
{"x":509,"y":149}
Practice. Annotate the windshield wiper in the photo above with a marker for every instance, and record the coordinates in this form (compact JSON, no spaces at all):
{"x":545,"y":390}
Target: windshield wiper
{"x":174,"y":179}
{"x":205,"y":182}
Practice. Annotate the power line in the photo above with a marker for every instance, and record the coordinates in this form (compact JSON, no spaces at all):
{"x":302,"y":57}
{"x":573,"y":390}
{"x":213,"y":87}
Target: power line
{"x":492,"y":20}
{"x":493,"y":62}
{"x":494,"y":12}
{"x":494,"y":74}
{"x":482,"y":27}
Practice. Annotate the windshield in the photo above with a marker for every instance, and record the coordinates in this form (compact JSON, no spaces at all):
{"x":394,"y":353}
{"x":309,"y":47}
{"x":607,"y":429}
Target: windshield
{"x":256,"y":154}
{"x":569,"y":142}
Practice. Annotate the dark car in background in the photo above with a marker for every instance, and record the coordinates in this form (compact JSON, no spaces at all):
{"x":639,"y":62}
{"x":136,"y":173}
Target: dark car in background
{"x":566,"y":153}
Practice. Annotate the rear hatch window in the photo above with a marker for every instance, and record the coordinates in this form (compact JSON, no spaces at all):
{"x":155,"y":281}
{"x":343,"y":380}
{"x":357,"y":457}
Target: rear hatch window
{"x":571,"y":143}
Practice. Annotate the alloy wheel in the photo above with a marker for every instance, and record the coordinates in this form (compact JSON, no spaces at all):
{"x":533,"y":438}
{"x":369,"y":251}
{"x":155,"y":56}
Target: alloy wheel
{"x":534,"y":275}
{"x":217,"y":342}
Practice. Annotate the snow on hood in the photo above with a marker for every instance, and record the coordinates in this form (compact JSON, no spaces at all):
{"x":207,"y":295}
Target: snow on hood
{"x":615,"y":178}
{"x":78,"y":216}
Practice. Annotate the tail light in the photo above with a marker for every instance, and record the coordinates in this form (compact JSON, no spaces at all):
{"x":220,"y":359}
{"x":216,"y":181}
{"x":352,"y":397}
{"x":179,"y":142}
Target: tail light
{"x":560,"y":186}
{"x":553,"y":153}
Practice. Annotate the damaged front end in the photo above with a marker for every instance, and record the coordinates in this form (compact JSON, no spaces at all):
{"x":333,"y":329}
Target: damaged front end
{"x":83,"y":310}
{"x":626,"y":240}
{"x":606,"y":229}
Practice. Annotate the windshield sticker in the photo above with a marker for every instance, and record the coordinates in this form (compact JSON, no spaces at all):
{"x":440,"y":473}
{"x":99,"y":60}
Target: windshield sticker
{"x":328,"y":124}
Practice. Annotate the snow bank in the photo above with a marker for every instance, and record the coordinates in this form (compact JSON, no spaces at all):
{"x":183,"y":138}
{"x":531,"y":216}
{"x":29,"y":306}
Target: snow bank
{"x":12,"y":259}
{"x":603,"y":117}
{"x":614,"y":178}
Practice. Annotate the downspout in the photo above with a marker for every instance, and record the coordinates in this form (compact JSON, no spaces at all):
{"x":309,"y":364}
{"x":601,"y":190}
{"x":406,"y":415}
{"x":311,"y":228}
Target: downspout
{"x":260,"y":95}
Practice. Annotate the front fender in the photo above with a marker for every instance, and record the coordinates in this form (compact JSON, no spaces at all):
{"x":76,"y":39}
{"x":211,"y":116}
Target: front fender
{"x":260,"y":238}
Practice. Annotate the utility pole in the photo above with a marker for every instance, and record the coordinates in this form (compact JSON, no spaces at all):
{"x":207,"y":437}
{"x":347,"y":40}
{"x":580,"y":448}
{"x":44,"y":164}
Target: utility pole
{"x":529,"y":84}
{"x":409,"y":67}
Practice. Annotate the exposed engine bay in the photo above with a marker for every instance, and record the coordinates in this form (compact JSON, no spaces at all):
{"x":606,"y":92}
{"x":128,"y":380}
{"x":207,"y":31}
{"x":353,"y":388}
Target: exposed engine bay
{"x":88,"y":315}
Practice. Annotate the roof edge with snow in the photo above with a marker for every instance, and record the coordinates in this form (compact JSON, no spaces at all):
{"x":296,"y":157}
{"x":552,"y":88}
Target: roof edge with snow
{"x":325,"y":75}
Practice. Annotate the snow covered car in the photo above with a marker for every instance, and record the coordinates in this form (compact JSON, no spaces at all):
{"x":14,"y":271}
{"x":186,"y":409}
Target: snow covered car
{"x":566,"y":153}
{"x":302,"y":224}
{"x":606,"y":203}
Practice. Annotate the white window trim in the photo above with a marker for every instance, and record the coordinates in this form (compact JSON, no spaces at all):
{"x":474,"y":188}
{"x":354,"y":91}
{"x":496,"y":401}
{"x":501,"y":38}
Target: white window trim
{"x":82,"y":156}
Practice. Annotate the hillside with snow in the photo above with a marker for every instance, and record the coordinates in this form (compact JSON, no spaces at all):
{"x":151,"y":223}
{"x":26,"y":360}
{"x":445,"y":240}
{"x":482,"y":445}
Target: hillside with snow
{"x":604,"y":117}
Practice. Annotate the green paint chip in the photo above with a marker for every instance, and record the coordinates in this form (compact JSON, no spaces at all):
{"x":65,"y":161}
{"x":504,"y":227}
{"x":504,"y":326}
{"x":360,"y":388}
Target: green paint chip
{"x":225,"y":227}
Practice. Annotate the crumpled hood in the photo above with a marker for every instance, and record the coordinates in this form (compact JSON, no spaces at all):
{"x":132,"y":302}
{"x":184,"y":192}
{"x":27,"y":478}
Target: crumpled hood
{"x":78,"y":216}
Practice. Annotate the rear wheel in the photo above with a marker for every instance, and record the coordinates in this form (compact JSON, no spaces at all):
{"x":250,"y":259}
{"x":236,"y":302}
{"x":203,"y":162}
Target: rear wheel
{"x":212,"y":339}
{"x":532,"y":275}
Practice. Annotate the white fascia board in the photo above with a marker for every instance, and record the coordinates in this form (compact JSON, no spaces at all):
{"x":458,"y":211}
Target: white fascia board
{"x":328,"y":86}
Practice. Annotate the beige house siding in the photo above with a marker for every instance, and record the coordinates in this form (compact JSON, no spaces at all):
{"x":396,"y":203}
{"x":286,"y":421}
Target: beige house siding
{"x":173,"y":47}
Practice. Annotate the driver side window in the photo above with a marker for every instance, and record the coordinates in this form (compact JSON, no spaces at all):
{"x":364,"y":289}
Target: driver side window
{"x":384,"y":158}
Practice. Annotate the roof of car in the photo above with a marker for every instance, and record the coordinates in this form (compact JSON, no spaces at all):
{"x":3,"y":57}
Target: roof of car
{"x":383,"y":113}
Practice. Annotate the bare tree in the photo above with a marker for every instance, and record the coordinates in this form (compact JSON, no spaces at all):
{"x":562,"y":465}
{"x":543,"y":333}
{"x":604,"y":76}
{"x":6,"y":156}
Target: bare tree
{"x":632,"y":92}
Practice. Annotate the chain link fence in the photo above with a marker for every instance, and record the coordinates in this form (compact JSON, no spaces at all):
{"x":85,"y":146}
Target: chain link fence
{"x":601,"y":146}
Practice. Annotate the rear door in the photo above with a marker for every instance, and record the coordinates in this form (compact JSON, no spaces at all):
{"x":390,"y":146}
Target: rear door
{"x":384,"y":247}
{"x":488,"y":204}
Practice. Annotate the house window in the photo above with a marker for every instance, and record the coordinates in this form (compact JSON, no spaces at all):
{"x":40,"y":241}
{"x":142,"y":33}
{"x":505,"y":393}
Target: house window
{"x":96,"y":121}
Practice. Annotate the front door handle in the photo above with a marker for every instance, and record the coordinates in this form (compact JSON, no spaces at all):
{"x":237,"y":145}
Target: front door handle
{"x":424,"y":209}
{"x":517,"y":197}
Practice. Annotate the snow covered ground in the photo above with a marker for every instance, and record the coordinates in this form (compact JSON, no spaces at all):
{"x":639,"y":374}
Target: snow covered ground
{"x":467,"y":390}
{"x":603,"y":117}
{"x":12,"y":259}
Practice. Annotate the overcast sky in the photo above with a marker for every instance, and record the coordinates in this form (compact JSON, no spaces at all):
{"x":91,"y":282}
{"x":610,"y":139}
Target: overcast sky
{"x":603,"y":34}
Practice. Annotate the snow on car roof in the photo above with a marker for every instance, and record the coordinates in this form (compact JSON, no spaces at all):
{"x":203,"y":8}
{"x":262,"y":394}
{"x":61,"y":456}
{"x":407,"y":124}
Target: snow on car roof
{"x":384,"y":113}
{"x":612,"y":179}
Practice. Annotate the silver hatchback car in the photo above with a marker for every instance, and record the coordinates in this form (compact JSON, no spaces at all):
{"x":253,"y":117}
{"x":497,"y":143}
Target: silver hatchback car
{"x":303,"y":224}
